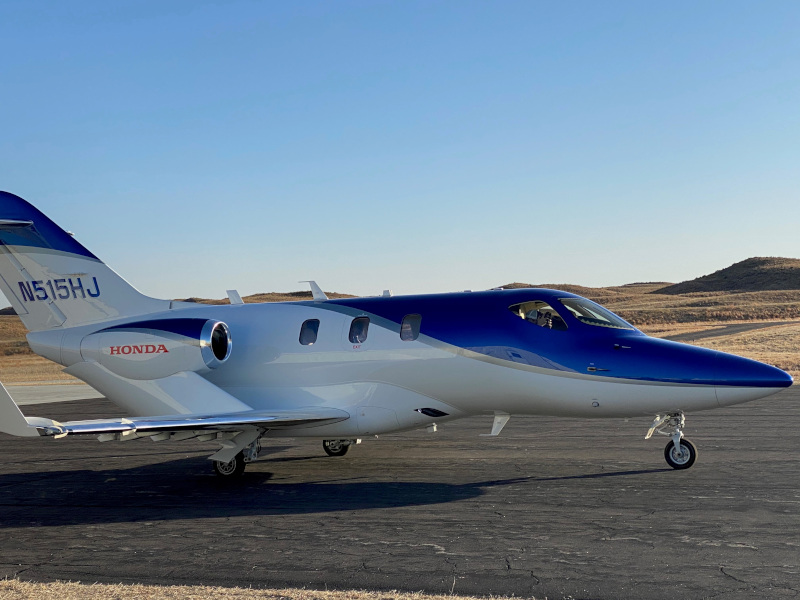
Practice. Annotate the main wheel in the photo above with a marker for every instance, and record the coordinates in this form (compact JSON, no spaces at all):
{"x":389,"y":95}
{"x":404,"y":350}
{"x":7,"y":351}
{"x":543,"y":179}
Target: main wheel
{"x":335,"y":447}
{"x":232,"y":468}
{"x":682,"y":457}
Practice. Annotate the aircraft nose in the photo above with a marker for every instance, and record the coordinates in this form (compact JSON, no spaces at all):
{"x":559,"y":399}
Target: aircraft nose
{"x":740,"y":379}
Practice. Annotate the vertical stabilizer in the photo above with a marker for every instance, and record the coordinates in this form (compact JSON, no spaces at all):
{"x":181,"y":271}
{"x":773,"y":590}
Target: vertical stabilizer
{"x":52,"y":281}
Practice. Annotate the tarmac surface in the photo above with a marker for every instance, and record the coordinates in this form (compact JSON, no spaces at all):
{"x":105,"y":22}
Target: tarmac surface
{"x":552,"y":508}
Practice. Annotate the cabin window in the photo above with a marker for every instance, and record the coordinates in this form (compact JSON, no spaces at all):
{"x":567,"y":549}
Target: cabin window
{"x":308,"y":332}
{"x":590,"y":313}
{"x":358,"y":330}
{"x":409,"y":328}
{"x":539,"y":313}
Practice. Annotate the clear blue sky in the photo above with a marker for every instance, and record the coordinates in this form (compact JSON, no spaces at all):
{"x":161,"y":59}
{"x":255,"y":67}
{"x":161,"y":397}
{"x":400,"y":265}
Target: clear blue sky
{"x":419,"y":146}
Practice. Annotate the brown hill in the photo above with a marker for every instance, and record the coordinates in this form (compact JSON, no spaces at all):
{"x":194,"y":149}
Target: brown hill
{"x":752,"y":275}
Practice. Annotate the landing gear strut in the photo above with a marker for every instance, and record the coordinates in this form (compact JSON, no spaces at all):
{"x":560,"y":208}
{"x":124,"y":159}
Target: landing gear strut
{"x":680,"y":453}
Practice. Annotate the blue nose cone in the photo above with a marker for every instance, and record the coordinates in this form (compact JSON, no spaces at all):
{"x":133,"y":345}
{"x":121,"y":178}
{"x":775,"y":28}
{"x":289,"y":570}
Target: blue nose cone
{"x":742,"y":372}
{"x":742,"y":380}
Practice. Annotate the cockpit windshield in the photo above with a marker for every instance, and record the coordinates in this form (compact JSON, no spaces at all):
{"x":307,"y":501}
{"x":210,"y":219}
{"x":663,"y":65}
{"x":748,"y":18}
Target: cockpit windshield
{"x":539,"y":313}
{"x":590,"y":313}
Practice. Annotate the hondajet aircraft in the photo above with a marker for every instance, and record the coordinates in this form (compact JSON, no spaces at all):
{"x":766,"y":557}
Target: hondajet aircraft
{"x":339,"y":370}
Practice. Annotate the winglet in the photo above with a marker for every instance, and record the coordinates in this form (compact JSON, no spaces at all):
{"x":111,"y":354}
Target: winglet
{"x":12,"y":421}
{"x":316,"y":291}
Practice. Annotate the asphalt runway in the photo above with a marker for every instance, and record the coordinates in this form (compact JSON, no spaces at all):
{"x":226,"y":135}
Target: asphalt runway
{"x":552,"y":508}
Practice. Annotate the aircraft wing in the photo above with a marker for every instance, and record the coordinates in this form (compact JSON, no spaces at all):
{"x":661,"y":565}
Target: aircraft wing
{"x":218,"y":422}
{"x":12,"y":421}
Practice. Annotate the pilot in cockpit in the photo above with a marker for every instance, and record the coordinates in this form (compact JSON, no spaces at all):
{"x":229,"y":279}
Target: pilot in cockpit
{"x":545,"y":320}
{"x":542,"y":315}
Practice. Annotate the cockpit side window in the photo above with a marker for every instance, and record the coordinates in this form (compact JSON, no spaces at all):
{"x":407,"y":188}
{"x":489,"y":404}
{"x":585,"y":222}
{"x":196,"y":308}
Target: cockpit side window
{"x":539,"y":313}
{"x":590,"y":313}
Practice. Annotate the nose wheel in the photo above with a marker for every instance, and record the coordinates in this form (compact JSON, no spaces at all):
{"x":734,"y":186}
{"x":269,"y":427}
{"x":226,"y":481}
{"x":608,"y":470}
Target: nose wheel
{"x":682,"y":456}
{"x":680,"y":453}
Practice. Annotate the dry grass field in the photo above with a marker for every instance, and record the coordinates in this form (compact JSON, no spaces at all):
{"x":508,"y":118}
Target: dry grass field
{"x":19,"y":590}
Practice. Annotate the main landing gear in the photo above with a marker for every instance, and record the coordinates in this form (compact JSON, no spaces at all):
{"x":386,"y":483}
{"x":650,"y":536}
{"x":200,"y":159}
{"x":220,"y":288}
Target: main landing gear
{"x":680,"y":453}
{"x":235,"y":467}
{"x":338,"y":447}
{"x":232,"y":468}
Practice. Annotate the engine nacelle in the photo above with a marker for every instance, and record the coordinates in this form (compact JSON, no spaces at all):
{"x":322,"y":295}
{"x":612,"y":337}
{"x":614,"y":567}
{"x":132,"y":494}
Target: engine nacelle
{"x":159,"y":348}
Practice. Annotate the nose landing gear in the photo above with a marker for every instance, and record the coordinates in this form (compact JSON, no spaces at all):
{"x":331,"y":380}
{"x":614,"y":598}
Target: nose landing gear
{"x":680,"y":453}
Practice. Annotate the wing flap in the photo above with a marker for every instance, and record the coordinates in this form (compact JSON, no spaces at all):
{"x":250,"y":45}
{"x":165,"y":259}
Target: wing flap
{"x":217,"y":422}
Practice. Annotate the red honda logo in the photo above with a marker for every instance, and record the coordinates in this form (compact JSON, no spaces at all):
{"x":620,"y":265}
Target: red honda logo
{"x":143,"y":349}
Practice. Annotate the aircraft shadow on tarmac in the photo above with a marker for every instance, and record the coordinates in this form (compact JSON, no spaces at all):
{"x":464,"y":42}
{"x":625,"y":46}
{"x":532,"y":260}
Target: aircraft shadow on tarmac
{"x":164,"y":491}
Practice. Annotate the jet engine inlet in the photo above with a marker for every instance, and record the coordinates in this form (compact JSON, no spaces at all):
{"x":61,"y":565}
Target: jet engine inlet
{"x":215,"y":343}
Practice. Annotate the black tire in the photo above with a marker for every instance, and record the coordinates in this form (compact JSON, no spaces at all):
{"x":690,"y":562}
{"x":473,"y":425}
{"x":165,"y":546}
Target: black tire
{"x":683,"y":459}
{"x":232,"y":469}
{"x":335,"y":447}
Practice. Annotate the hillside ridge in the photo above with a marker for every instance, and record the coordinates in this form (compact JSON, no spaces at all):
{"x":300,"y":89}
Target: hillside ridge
{"x":757,"y":274}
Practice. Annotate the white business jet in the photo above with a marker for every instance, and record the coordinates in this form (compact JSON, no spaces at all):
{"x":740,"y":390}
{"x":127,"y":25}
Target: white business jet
{"x":340,"y":370}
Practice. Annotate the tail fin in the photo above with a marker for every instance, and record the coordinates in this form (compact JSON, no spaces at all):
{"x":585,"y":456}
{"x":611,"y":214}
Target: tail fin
{"x":53,"y":281}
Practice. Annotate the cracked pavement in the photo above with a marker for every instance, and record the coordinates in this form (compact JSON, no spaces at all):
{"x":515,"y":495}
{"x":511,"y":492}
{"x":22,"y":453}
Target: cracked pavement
{"x":552,"y":508}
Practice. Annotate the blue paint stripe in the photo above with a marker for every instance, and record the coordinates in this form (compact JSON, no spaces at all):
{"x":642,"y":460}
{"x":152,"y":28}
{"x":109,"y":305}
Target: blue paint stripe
{"x":190,"y":328}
